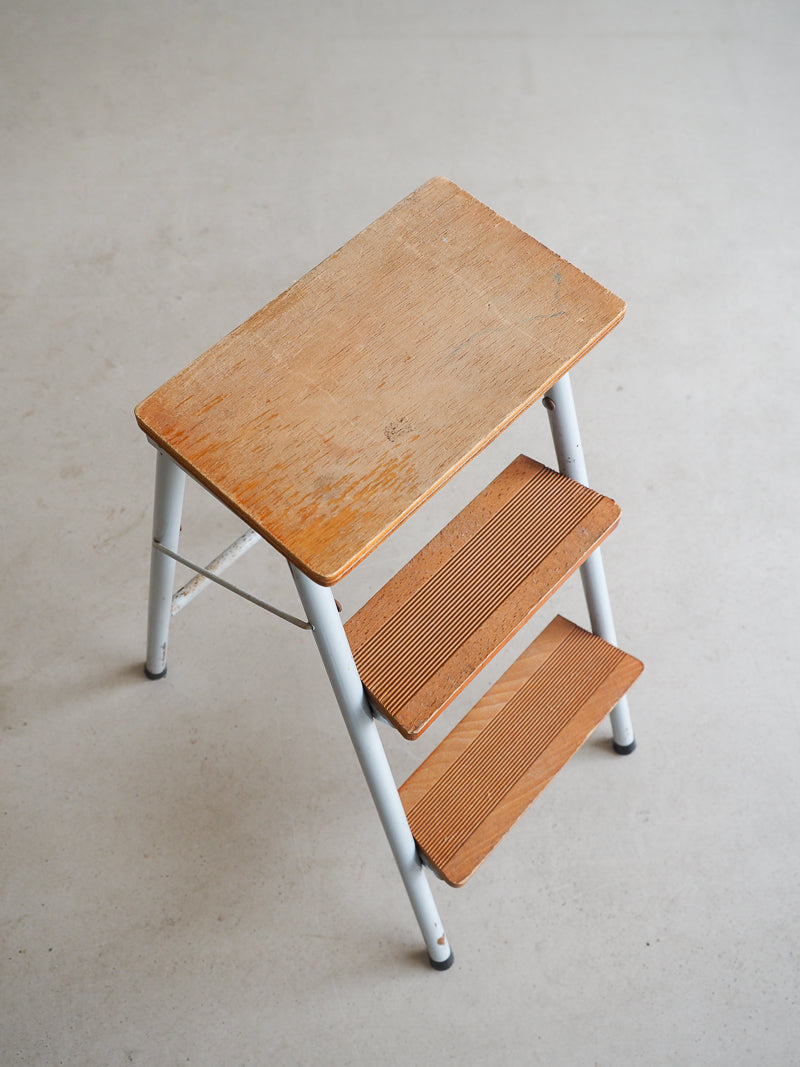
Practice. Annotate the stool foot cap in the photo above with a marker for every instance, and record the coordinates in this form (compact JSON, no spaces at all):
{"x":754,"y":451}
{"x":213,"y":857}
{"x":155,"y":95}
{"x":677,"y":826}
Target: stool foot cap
{"x":625,"y":750}
{"x":154,"y":677}
{"x":442,"y":965}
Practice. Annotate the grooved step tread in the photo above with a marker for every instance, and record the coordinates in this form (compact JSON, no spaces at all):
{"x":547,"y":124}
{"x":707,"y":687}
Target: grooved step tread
{"x":422,"y":637}
{"x":469,"y":792}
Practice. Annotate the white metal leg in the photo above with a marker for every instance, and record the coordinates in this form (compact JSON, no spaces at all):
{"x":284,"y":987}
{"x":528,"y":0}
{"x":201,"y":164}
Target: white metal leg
{"x":167,"y":508}
{"x":560,"y":407}
{"x":334,"y":648}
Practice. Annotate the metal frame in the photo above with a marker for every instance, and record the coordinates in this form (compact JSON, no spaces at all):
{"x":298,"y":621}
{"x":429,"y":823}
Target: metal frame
{"x":188,"y":592}
{"x":563,"y":418}
{"x":325,"y":621}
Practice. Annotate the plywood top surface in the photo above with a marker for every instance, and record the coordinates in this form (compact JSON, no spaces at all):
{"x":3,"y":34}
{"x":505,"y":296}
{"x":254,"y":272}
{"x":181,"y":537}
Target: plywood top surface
{"x":335,"y":411}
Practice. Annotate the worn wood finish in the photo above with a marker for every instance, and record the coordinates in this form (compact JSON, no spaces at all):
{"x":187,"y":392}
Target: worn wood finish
{"x":469,"y":792}
{"x":437,"y":622}
{"x":335,"y":411}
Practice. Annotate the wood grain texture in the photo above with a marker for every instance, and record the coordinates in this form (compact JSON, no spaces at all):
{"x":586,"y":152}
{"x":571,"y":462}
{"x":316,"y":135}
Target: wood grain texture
{"x":337,"y":409}
{"x":443,"y":616}
{"x":474,"y":786}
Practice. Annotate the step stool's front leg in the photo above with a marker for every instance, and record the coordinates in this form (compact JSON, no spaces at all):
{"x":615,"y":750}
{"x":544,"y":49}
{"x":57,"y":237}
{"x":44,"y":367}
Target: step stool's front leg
{"x":322,"y":613}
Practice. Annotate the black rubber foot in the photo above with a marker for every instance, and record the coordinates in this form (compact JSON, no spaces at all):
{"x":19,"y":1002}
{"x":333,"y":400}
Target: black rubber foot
{"x":442,"y":965}
{"x":152,"y":676}
{"x":625,"y":750}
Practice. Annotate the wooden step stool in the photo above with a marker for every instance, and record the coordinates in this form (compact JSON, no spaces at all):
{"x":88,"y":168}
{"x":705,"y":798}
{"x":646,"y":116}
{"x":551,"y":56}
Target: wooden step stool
{"x":327,"y":419}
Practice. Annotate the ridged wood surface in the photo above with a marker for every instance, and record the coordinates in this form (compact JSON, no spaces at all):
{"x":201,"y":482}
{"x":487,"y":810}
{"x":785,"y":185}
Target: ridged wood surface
{"x":464,"y":798}
{"x":437,"y":622}
{"x":329,"y":416}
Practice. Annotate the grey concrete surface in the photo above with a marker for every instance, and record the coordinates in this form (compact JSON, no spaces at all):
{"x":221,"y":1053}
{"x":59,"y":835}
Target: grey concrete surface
{"x":191,"y":870}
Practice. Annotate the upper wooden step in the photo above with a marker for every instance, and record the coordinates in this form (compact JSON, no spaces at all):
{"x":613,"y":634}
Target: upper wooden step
{"x":467,"y":794}
{"x":433,"y":626}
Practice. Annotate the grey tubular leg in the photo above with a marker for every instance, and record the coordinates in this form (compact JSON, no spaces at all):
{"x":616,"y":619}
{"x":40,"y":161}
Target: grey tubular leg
{"x":167,"y":508}
{"x":566,"y":437}
{"x":334,"y":648}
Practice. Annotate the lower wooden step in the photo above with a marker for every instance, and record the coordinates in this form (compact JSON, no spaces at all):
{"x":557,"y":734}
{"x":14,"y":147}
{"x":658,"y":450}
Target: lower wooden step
{"x":469,"y":792}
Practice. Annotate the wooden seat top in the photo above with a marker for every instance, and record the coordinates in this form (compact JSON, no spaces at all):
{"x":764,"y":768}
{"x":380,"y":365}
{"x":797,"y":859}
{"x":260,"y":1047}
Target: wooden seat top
{"x":333,"y":413}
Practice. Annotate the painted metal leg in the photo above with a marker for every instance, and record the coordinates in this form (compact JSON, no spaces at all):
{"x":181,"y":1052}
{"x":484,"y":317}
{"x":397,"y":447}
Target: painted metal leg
{"x":167,"y":508}
{"x":569,"y":451}
{"x":334,"y":648}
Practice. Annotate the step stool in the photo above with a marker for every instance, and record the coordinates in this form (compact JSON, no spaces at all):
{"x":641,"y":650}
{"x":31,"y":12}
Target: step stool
{"x":332,"y":415}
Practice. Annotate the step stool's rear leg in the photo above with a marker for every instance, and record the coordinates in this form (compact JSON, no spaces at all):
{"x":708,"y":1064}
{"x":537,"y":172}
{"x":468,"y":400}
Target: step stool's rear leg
{"x":560,"y":407}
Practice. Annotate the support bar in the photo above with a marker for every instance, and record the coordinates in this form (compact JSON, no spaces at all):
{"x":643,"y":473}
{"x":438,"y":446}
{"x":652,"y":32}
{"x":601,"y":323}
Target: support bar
{"x":343,"y":674}
{"x":186,"y":594}
{"x":301,"y":623}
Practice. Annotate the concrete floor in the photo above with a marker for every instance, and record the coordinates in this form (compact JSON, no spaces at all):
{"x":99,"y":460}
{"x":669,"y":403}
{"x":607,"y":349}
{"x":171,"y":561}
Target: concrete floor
{"x":191,"y":870}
